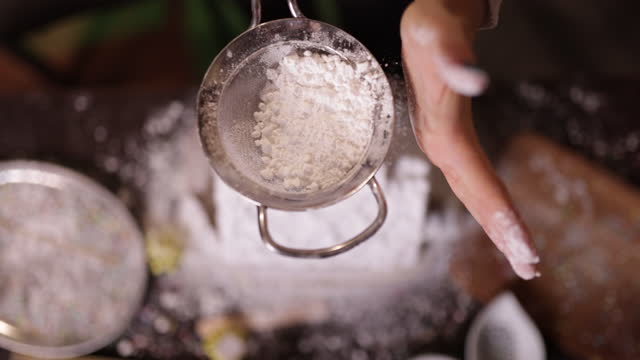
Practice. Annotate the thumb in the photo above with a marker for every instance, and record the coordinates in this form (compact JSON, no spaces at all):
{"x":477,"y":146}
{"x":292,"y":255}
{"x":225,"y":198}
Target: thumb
{"x":431,"y":32}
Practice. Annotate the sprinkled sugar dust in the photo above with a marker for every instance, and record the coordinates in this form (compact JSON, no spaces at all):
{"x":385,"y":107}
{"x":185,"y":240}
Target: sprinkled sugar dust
{"x":225,"y":266}
{"x":313,"y":123}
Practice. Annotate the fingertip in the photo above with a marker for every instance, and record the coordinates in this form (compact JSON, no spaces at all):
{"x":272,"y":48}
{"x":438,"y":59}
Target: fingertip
{"x":525,"y":271}
{"x":508,"y":232}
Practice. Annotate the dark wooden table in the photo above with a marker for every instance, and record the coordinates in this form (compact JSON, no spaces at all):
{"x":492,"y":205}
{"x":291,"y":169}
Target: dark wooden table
{"x":598,"y":120}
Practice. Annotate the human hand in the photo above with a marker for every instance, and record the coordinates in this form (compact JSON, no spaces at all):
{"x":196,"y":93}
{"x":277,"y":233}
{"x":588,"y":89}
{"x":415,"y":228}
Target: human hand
{"x":437,"y":54}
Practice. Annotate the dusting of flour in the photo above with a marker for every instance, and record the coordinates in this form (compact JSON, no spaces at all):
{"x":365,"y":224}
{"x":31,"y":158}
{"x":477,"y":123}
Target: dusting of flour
{"x":313,"y":123}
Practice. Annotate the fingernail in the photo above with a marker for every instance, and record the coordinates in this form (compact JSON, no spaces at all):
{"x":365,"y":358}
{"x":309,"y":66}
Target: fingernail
{"x":465,"y":79}
{"x":508,"y":233}
{"x":518,"y":246}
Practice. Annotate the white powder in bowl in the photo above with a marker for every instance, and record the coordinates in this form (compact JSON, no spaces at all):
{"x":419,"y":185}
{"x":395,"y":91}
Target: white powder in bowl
{"x":314,"y":120}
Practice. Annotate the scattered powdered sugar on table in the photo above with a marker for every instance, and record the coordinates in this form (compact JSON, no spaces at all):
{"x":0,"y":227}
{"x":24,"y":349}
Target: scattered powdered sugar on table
{"x":230,"y":256}
{"x":395,"y":247}
{"x":223,"y":251}
{"x":314,"y":120}
{"x":386,"y":292}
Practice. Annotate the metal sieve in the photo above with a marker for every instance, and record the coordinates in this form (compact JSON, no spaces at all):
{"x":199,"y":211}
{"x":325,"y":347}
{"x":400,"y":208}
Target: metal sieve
{"x":72,"y":266}
{"x":229,"y":95}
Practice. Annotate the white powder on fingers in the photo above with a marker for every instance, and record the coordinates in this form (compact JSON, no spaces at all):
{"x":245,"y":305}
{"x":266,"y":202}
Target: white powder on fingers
{"x":313,"y":123}
{"x":510,"y":237}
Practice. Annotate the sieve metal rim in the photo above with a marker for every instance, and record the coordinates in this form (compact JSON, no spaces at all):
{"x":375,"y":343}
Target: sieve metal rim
{"x":63,"y":179}
{"x":210,"y":94}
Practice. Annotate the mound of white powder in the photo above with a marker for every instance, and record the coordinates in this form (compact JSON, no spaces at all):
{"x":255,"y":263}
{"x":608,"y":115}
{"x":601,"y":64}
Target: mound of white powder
{"x":314,"y":120}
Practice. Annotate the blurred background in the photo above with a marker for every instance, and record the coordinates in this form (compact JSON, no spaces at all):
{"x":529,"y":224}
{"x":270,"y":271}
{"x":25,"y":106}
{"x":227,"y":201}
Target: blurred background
{"x":107,"y":88}
{"x":170,"y":44}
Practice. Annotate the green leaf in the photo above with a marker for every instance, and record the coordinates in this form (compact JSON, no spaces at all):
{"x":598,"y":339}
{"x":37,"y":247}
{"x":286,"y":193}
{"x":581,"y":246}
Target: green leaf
{"x":327,"y":11}
{"x":125,"y":20}
{"x":203,"y":33}
{"x":234,"y":18}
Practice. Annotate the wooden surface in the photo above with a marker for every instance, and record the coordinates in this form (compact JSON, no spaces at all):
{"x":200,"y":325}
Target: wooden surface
{"x":586,"y":224}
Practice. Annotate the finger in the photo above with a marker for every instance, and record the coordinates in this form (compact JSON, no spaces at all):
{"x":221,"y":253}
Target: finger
{"x":434,"y":55}
{"x":473,"y":180}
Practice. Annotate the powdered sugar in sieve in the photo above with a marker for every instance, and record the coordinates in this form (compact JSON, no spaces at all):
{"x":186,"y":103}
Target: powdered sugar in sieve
{"x":313,"y":122}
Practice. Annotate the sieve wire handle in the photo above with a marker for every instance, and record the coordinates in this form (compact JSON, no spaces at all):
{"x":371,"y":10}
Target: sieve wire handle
{"x":294,"y":8}
{"x":332,"y":250}
{"x":256,"y":11}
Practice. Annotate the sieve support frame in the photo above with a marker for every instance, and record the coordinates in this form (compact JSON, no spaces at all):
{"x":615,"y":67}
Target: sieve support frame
{"x":330,"y":251}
